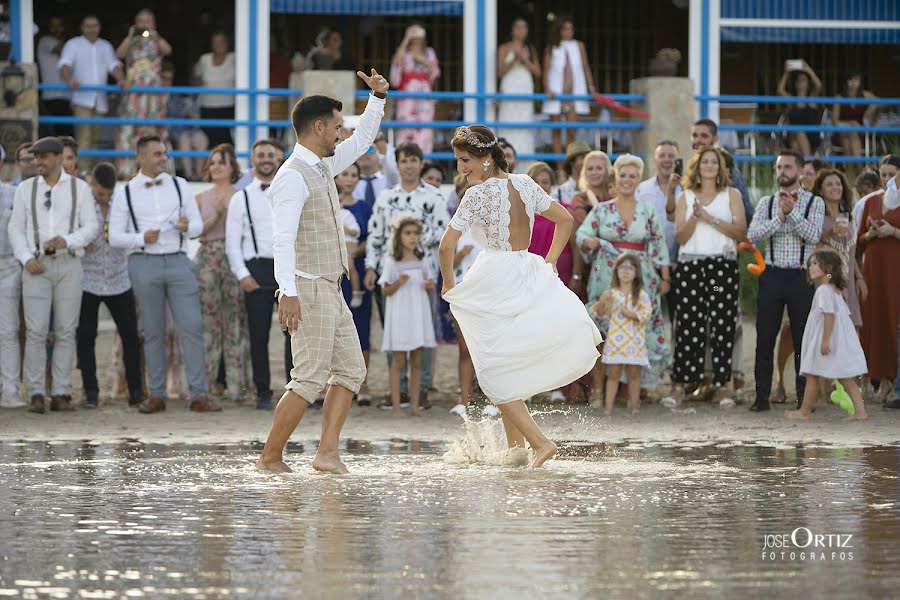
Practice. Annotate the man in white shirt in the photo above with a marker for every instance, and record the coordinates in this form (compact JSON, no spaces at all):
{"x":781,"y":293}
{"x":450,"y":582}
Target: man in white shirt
{"x":248,"y":244}
{"x":151,"y":217}
{"x":54,"y":102}
{"x":51,"y":223}
{"x":88,"y":60}
{"x":662,"y":190}
{"x":410,"y":197}
{"x":575,"y":153}
{"x":10,"y":294}
{"x":310,"y":261}
{"x":377,"y":171}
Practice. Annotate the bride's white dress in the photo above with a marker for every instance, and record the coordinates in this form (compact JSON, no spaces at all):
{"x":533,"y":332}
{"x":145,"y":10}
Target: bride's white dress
{"x":526,"y":331}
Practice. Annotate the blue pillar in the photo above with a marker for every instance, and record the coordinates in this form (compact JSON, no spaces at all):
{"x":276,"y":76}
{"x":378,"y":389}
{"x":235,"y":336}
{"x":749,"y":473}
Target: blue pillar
{"x":15,"y":30}
{"x":253,"y":54}
{"x":481,"y":110}
{"x":704,"y":58}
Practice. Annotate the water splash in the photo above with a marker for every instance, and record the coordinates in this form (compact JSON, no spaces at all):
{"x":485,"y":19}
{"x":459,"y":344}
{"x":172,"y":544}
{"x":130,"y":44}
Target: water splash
{"x":484,"y":443}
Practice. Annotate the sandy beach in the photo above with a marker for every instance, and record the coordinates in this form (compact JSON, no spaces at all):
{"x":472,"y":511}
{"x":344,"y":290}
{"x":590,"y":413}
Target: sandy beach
{"x":693,"y":422}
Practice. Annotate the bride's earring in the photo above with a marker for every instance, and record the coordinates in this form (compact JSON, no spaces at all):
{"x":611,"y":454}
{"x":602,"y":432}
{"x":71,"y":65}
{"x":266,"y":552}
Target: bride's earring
{"x":487,"y":165}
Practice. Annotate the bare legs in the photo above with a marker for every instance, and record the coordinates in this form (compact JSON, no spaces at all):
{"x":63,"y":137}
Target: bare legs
{"x":398,"y":364}
{"x":557,"y":133}
{"x":799,"y":141}
{"x":516,"y":418}
{"x":334,"y":414}
{"x":289,"y":412}
{"x":466,"y":369}
{"x":633,"y":376}
{"x":785,"y":351}
{"x":811,"y":394}
{"x":598,"y":374}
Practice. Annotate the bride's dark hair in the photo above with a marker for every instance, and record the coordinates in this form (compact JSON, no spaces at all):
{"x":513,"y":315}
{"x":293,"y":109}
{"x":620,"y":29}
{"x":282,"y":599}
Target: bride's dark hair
{"x":479,"y":141}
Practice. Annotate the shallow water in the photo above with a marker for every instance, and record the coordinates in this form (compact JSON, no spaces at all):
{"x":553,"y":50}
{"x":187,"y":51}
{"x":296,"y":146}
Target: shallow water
{"x":133,"y":519}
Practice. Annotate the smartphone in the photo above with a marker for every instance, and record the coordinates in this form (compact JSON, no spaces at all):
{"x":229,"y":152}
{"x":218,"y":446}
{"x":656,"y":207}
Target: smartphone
{"x":679,"y":166}
{"x":794,"y":64}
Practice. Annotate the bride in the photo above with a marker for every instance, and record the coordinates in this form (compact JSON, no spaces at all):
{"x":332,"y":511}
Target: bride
{"x":526,"y":331}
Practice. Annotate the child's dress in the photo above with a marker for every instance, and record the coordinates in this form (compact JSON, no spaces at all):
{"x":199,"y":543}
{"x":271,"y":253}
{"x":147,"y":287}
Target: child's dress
{"x":408,"y":324}
{"x":625,"y":343}
{"x":351,"y":227}
{"x":466,"y":263}
{"x":846,"y":357}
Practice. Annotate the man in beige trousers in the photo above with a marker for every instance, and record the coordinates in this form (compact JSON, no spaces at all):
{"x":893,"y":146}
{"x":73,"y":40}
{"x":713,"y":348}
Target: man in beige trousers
{"x":310,"y":261}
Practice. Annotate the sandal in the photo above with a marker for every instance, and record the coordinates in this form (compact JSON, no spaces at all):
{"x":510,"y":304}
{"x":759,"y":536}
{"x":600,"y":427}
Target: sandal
{"x":674,"y":399}
{"x":723,"y":398}
{"x":780,"y":396}
{"x":596,"y":398}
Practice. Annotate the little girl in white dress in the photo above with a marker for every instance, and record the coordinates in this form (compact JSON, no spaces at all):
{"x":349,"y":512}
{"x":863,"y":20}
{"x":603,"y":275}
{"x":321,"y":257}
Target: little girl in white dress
{"x":831,"y":348}
{"x":406,"y":283}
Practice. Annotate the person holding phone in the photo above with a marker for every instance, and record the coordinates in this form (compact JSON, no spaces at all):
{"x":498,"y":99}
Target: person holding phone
{"x":661,"y":190}
{"x":798,"y":79}
{"x":142,"y":51}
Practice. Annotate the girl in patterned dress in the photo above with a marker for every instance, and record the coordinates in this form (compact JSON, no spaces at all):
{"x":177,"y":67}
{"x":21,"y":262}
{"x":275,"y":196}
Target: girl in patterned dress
{"x":628,"y":307}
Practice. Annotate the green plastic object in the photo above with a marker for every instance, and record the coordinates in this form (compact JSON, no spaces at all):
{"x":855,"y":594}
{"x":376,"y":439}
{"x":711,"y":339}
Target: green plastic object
{"x":840,"y":397}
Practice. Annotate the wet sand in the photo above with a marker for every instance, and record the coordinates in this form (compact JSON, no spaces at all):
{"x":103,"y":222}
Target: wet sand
{"x":694,"y":422}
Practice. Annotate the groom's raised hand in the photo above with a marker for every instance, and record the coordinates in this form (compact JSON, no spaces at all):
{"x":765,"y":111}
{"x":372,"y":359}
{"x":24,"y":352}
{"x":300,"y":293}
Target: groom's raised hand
{"x":375,"y":81}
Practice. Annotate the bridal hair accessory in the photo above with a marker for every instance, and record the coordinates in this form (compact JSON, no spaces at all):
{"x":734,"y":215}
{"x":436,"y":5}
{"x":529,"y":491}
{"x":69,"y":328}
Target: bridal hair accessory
{"x":471,"y":137}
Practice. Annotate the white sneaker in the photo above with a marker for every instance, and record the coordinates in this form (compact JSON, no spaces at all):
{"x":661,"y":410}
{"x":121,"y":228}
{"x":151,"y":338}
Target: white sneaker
{"x":557,"y":396}
{"x":357,"y":299}
{"x":12,"y":400}
{"x":459,"y":409}
{"x":490,"y":411}
{"x":670,"y":402}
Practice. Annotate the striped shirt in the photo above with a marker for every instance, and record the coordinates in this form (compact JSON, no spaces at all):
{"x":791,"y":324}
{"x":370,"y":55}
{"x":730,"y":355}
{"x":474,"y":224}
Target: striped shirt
{"x":791,"y":242}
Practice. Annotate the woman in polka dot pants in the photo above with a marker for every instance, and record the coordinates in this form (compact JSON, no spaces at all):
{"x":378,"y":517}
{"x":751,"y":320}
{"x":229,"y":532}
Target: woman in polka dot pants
{"x":709,"y":221}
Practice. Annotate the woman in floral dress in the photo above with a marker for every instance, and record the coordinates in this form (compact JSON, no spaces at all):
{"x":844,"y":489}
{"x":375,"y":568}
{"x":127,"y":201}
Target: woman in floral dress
{"x":142,"y":51}
{"x":221,"y":300}
{"x":611,"y":228}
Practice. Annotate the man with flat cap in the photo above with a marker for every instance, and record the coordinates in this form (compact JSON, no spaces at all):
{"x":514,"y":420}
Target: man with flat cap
{"x":52,"y":221}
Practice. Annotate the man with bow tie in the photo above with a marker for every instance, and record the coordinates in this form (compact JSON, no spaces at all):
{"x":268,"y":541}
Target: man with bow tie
{"x":248,"y":244}
{"x":789,"y":222}
{"x":152,"y":216}
{"x":310,"y":261}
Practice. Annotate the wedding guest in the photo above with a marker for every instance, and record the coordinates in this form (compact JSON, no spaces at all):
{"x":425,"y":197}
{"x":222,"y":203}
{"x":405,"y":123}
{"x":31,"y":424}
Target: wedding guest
{"x":106,"y":282}
{"x":518,"y":64}
{"x":52,"y":221}
{"x":414,"y":68}
{"x":566,"y":72}
{"x":10,"y":296}
{"x":224,"y":315}
{"x":216,"y":70}
{"x":572,"y":165}
{"x":790,"y":223}
{"x":150,"y":217}
{"x":248,"y":244}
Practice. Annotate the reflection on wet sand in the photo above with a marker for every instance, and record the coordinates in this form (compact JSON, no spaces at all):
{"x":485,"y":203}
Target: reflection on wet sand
{"x":622,"y":521}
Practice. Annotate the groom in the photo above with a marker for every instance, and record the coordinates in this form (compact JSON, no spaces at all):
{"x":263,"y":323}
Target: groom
{"x":310,"y":261}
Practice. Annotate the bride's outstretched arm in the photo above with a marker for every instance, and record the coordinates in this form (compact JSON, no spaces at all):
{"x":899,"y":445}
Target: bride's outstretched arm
{"x":564,"y":223}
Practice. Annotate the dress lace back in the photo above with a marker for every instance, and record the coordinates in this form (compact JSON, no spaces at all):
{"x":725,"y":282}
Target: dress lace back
{"x":484,"y":210}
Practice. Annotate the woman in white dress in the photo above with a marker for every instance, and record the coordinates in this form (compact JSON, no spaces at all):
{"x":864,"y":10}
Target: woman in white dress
{"x":517,"y":66}
{"x":566,"y":71}
{"x":527,"y":332}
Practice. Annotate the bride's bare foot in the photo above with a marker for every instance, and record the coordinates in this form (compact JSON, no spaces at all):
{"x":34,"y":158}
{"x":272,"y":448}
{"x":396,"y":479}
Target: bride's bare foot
{"x":329,"y":463}
{"x":635,"y":412}
{"x":417,"y":412}
{"x":543,"y":454}
{"x":277,"y":466}
{"x":607,"y":412}
{"x":796,"y":415}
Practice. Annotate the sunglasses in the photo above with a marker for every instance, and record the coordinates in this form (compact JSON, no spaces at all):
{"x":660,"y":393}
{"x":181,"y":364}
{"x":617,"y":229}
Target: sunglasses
{"x":47,"y":202}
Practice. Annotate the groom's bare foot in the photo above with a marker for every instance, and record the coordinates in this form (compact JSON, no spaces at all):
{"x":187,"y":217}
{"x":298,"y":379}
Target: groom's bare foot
{"x":329,"y":463}
{"x":277,"y":466}
{"x":543,"y":454}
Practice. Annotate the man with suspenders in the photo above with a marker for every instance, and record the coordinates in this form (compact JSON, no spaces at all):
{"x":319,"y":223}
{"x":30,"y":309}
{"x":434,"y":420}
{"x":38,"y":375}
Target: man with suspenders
{"x":790,"y":223}
{"x":151,"y":217}
{"x":248,"y":244}
{"x":51,"y":223}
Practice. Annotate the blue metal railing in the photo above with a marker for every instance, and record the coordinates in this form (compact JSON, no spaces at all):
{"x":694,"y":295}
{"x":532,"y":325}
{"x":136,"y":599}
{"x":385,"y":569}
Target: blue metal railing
{"x":252,"y":122}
